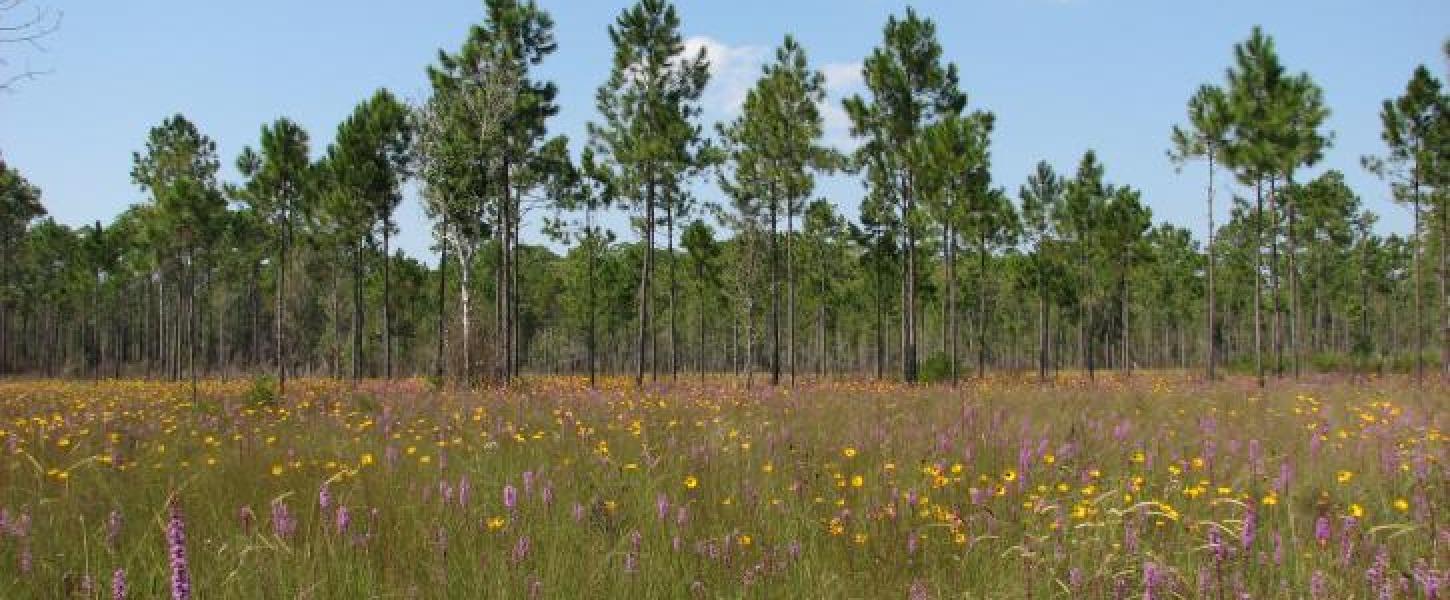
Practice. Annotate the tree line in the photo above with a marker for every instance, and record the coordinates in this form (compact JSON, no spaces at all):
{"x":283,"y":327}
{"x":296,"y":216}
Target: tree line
{"x":943,"y":273}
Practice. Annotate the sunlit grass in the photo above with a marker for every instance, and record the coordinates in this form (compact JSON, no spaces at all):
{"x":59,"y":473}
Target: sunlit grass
{"x":1000,"y":488}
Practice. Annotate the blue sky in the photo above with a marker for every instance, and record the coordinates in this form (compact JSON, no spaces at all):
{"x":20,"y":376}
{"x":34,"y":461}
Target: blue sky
{"x":1061,"y":75}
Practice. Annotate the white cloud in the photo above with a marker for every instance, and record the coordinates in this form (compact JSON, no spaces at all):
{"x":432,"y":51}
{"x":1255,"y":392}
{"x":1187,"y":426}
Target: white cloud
{"x":842,"y":77}
{"x":733,"y":70}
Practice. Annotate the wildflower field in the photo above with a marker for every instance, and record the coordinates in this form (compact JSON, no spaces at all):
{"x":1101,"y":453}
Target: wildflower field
{"x":1150,"y":487}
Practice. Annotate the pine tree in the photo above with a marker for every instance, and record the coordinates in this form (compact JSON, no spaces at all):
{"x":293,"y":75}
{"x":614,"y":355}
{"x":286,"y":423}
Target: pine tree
{"x":910,"y":88}
{"x":647,"y":139}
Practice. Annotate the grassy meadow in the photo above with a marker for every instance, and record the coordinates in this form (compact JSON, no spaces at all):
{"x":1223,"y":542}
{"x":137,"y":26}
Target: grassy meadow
{"x":1149,"y":487}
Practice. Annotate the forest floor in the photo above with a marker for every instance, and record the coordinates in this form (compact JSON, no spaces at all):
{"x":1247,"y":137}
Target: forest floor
{"x":1155,"y":486}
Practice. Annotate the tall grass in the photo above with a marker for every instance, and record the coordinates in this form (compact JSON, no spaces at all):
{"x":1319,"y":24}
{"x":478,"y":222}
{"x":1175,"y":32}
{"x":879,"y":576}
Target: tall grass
{"x":1152,"y":487}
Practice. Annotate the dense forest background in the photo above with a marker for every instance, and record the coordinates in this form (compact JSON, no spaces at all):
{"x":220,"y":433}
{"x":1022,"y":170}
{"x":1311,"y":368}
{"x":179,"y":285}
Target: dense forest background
{"x":943,"y":274}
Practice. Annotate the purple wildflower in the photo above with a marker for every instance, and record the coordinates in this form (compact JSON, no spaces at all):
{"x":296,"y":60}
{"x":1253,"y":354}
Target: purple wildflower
{"x":343,"y":520}
{"x":521,"y":550}
{"x":1321,"y":530}
{"x":118,"y":584}
{"x":1318,"y":586}
{"x":510,"y":497}
{"x":464,"y":490}
{"x":324,"y":497}
{"x":1152,"y":577}
{"x":1216,"y":545}
{"x":176,"y":549}
{"x":918,"y":591}
{"x":528,"y":482}
{"x":662,"y":506}
{"x":284,"y":525}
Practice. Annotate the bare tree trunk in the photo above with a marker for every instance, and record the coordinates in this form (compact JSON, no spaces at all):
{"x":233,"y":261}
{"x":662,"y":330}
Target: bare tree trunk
{"x":674,"y":289}
{"x":1044,"y":316}
{"x":908,"y":289}
{"x":440,"y":357}
{"x":950,"y":243}
{"x":357,"y":312}
{"x":387,"y":301}
{"x":1293,"y":279}
{"x":1417,"y":327}
{"x":981,"y":305}
{"x":774,"y":293}
{"x":645,"y":273}
{"x":590,"y":257}
{"x":790,"y":288}
{"x":1258,"y":283}
{"x":1211,"y":342}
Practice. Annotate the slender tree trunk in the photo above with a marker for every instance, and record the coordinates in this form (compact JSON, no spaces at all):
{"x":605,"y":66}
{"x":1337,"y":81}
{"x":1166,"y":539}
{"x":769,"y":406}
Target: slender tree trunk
{"x":700,"y":308}
{"x":440,"y":358}
{"x":674,"y":289}
{"x":465,"y":297}
{"x":1292,"y":251}
{"x":1258,"y":283}
{"x":908,"y":295}
{"x":645,"y":273}
{"x":821,"y":319}
{"x":774,"y":292}
{"x":880,"y":311}
{"x":1126,"y":331}
{"x":1444,"y":289}
{"x":592,"y":342}
{"x":790,"y":289}
{"x":1417,"y":327}
{"x":1275,"y":300}
{"x":1210,"y":335}
{"x":387,"y":300}
{"x":1043,"y":321}
{"x":982,"y":305}
{"x":357,"y":311}
{"x":949,"y":242}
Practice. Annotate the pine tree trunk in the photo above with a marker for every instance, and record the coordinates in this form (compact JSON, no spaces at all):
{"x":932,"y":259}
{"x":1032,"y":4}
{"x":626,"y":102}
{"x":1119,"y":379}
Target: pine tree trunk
{"x":950,"y":322}
{"x":1258,"y":283}
{"x":357,"y":312}
{"x":1210,"y":341}
{"x":1292,"y":266}
{"x":1417,"y":326}
{"x":645,"y":273}
{"x":908,"y":292}
{"x":387,"y":302}
{"x":674,"y":289}
{"x":440,"y":357}
{"x":774,"y":293}
{"x":590,"y":257}
{"x":790,"y":289}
